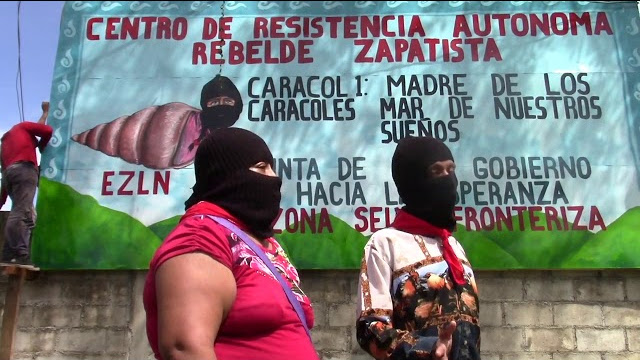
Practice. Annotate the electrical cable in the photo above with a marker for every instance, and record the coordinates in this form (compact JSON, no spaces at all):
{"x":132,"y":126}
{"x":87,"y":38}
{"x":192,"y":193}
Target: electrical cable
{"x":19,"y":73}
{"x":222,"y":6}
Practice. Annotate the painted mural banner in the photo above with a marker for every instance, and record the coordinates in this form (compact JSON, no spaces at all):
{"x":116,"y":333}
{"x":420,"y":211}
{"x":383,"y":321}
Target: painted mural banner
{"x":539,"y":102}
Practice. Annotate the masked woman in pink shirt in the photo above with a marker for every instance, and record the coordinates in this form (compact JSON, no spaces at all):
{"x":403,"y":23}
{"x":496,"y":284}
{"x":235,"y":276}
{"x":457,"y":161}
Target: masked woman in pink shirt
{"x":220,"y":286}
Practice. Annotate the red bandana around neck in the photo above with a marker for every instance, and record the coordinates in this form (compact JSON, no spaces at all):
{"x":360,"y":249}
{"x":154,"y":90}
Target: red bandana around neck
{"x":414,"y":225}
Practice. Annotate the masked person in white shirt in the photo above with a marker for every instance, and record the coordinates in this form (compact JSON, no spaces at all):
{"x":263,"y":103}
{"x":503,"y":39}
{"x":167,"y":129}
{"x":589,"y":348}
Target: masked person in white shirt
{"x":417,"y":291}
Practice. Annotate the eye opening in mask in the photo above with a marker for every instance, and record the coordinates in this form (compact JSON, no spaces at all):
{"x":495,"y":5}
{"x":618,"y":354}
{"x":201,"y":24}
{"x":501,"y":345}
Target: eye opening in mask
{"x":264,"y":168}
{"x":441,"y":168}
{"x":220,"y":100}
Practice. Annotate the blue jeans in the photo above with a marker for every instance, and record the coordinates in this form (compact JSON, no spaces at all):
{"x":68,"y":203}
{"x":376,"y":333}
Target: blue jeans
{"x":20,"y":180}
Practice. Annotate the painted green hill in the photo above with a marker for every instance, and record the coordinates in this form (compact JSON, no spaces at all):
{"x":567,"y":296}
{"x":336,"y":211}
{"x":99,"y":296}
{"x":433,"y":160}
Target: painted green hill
{"x":484,"y":253}
{"x":617,"y":247}
{"x":164,"y":227}
{"x":74,"y":232}
{"x":538,"y":249}
{"x":340,"y":249}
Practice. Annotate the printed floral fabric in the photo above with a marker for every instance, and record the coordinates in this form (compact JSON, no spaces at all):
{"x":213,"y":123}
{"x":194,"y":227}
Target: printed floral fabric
{"x":406,"y":294}
{"x":243,"y":255}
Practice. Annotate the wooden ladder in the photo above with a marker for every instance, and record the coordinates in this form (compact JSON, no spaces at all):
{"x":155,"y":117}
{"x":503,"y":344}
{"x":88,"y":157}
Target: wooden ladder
{"x":17,"y":276}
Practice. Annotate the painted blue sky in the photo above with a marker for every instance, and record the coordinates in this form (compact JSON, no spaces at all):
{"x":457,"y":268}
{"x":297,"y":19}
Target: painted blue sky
{"x":39,"y":28}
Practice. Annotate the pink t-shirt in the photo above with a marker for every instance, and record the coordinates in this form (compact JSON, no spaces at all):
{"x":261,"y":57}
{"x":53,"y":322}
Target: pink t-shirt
{"x":261,"y":324}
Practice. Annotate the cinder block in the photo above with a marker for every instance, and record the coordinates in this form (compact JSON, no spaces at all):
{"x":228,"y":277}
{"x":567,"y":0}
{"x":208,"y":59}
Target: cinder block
{"x":343,"y":355}
{"x":502,"y":339}
{"x":96,"y":287}
{"x":625,"y":355}
{"x":44,"y":290}
{"x":549,"y":289}
{"x":490,"y":356}
{"x":633,"y":336}
{"x":622,"y":314}
{"x":360,"y":356}
{"x":549,"y":340}
{"x":577,"y":356}
{"x":342,"y":315}
{"x":336,"y":339}
{"x":578,"y":274}
{"x":117,"y":341}
{"x":355,"y":347}
{"x":354,"y":283}
{"x":491,"y":314}
{"x":22,"y":356}
{"x":526,"y":356}
{"x":599,"y":290}
{"x":603,"y":340}
{"x":339,"y":291}
{"x":577,"y":314}
{"x":34,"y":341}
{"x":104,"y":316}
{"x":92,"y":341}
{"x":528,"y":314}
{"x":120,"y":289}
{"x":57,"y":316}
{"x":83,"y":292}
{"x":25,"y":316}
{"x":76,"y":356}
{"x":500,"y":289}
{"x":320,"y":313}
{"x":59,"y":356}
{"x":633,"y":288}
{"x":313,"y":284}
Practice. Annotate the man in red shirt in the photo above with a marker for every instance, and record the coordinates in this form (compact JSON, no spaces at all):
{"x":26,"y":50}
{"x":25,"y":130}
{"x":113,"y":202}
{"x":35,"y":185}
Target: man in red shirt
{"x":19,"y":181}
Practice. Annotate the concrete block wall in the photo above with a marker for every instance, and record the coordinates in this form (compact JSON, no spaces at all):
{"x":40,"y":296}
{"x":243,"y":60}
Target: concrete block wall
{"x":525,"y":315}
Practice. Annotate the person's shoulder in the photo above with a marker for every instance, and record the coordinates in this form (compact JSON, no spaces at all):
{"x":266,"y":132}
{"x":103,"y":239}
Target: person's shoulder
{"x":23,"y":124}
{"x":199,"y":225}
{"x":13,"y":129}
{"x":192,"y":234}
{"x":24,"y":127}
{"x":31,"y":125}
{"x":393,"y":232}
{"x":279,"y":250}
{"x":275,"y":242}
{"x":386,"y":232}
{"x":386,"y":235}
{"x":195,"y":232}
{"x":454,"y":242}
{"x":458,"y":248}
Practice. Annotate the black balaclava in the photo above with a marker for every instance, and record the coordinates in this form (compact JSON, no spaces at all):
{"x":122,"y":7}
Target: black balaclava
{"x":220,"y":116}
{"x":223,"y":177}
{"x":429,"y":198}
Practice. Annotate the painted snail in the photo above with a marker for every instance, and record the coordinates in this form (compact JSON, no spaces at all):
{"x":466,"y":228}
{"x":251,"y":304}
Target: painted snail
{"x":166,"y":136}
